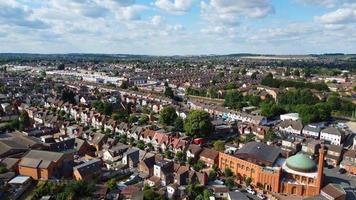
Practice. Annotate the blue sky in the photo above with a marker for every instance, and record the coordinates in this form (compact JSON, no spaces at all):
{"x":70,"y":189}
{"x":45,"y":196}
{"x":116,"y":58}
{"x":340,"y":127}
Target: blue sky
{"x":178,"y":27}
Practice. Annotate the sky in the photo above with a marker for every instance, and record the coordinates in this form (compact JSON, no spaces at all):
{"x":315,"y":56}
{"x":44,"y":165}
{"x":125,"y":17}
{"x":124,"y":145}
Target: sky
{"x":178,"y":27}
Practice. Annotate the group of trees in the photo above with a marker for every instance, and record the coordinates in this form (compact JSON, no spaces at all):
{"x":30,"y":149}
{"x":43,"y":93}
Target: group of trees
{"x":278,"y":83}
{"x":74,"y":190}
{"x":103,"y":107}
{"x":197,"y":124}
{"x":235,"y":100}
{"x":68,"y":96}
{"x":169,"y":117}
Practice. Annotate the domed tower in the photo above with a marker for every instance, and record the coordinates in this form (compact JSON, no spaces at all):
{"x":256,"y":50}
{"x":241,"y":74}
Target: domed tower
{"x":319,"y":181}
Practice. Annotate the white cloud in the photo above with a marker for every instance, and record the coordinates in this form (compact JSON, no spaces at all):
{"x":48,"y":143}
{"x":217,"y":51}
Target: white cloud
{"x":229,"y":12}
{"x":174,"y":6}
{"x":13,"y":13}
{"x":339,"y":16}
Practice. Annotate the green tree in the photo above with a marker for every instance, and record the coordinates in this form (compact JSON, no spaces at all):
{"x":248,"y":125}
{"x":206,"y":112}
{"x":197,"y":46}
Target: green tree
{"x":180,"y":155}
{"x":167,"y":116}
{"x":248,"y":181}
{"x":228,"y":172}
{"x":219,"y":145}
{"x":68,"y":96}
{"x":141,"y":144}
{"x":24,"y":120}
{"x":254,"y":75}
{"x":124,"y":85}
{"x":199,"y":165}
{"x":132,"y":118}
{"x":148,"y":193}
{"x":168,"y":92}
{"x":334,"y":102}
{"x":270,"y":136}
{"x":198,"y":124}
{"x":115,"y":116}
{"x":229,"y":182}
{"x":107,"y":108}
{"x":234,"y":100}
{"x":111,"y":183}
{"x":168,"y":154}
{"x":207,"y":194}
{"x":179,"y":124}
{"x":212,"y":175}
{"x":143,"y":119}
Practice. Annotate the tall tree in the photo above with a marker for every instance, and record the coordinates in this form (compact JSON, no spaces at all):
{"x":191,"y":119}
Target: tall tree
{"x":198,"y":123}
{"x":167,"y":116}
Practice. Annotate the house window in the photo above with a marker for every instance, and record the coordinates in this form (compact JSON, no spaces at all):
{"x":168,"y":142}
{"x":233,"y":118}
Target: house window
{"x":294,"y":190}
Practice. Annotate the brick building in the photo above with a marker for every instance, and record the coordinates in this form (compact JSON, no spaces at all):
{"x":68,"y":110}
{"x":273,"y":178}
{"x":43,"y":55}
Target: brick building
{"x":46,"y":164}
{"x":297,"y":175}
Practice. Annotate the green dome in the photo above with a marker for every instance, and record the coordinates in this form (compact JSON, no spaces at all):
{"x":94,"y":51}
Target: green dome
{"x":301,"y":163}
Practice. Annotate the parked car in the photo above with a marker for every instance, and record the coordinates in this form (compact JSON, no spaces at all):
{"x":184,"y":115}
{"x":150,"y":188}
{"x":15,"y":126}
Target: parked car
{"x":250,"y":190}
{"x":261,"y":196}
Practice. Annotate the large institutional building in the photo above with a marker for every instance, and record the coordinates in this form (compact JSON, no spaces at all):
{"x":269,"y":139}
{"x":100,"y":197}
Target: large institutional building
{"x":296,"y":175}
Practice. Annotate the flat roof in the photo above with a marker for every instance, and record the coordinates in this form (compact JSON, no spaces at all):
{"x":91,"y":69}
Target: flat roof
{"x":19,"y":180}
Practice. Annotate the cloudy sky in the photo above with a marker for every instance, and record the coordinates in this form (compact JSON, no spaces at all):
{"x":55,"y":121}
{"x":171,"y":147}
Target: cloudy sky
{"x":170,"y":27}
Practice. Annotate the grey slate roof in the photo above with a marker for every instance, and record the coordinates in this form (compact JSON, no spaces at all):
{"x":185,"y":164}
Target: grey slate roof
{"x":312,"y":128}
{"x":259,"y":151}
{"x":89,"y":167}
{"x":44,"y":155}
{"x":332,"y":131}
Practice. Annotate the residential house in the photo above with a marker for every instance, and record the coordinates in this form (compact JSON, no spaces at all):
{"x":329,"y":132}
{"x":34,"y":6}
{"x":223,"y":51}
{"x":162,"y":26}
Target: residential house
{"x":258,"y":130}
{"x":181,"y":175}
{"x":87,"y":171}
{"x":122,"y":128}
{"x":146,"y":164}
{"x":172,"y":190}
{"x":96,"y":139}
{"x":161,"y":141}
{"x":131,"y":157}
{"x":311,"y":146}
{"x":333,"y":192}
{"x":113,"y":156}
{"x":178,"y":144}
{"x":290,"y":146}
{"x":209,"y":157}
{"x":312,"y":130}
{"x":148,"y":136}
{"x":349,"y":161}
{"x":333,"y":155}
{"x":220,"y":191}
{"x":200,"y":178}
{"x":193,"y":151}
{"x":332,"y":135}
{"x":164,"y":170}
{"x":135,"y":132}
{"x":291,"y":126}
